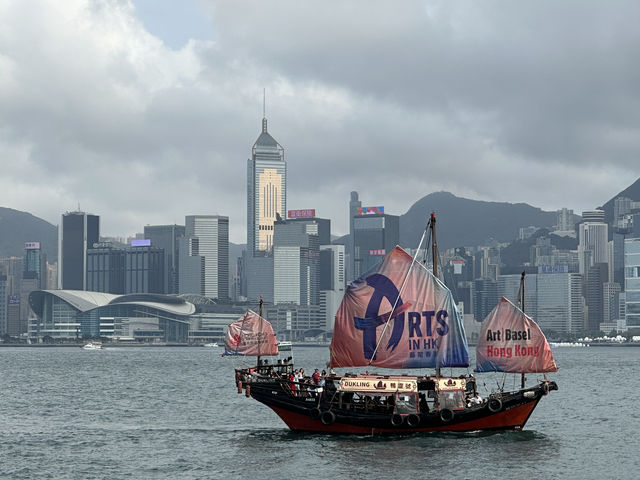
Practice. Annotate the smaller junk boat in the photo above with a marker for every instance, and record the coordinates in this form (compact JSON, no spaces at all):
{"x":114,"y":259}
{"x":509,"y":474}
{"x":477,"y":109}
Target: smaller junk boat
{"x":400,"y":316}
{"x":92,"y":346}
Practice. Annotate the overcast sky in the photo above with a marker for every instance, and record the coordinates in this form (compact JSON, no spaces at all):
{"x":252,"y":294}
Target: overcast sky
{"x":143,"y":112}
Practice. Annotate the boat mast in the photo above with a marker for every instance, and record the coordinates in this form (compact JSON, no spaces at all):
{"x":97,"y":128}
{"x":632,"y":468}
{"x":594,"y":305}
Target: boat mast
{"x":260,"y":314}
{"x":434,"y":253}
{"x":522,"y":303}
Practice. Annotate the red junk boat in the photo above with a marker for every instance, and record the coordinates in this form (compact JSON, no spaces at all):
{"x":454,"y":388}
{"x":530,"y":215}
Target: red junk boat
{"x":400,"y":316}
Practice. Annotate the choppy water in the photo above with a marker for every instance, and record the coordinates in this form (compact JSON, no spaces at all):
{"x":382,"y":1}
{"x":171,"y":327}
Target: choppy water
{"x":173,"y":413}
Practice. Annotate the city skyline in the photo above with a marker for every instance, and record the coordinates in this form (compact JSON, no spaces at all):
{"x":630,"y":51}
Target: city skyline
{"x":143,"y":120}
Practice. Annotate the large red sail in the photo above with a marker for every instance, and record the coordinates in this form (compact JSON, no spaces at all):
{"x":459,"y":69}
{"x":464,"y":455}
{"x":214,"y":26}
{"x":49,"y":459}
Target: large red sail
{"x":398,"y":316}
{"x":510,"y":341}
{"x":251,"y":335}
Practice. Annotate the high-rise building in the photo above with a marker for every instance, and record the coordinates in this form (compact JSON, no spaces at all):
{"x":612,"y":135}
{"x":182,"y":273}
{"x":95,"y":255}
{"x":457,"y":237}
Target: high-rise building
{"x":592,"y":244}
{"x":593,"y":216}
{"x":354,"y":205}
{"x":266,"y":192}
{"x":559,"y":303}
{"x":375,"y":235}
{"x":596,"y":276}
{"x":205,"y":253}
{"x":3,"y":303}
{"x":484,"y":295}
{"x":296,"y":258}
{"x":565,"y":220}
{"x":632,"y":281}
{"x":332,"y":281}
{"x":136,"y":269}
{"x":166,"y":237}
{"x":76,"y":234}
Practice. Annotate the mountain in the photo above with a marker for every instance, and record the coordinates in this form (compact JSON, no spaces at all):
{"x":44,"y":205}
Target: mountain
{"x":632,"y":192}
{"x":17,"y":228}
{"x":463,"y":222}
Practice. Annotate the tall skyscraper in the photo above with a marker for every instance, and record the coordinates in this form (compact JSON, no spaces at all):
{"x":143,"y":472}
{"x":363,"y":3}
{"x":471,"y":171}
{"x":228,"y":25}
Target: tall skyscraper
{"x":266,"y":192}
{"x":375,"y":235}
{"x":166,"y":237}
{"x":592,"y":244}
{"x":354,"y":205}
{"x":632,"y":281}
{"x":296,"y":257}
{"x":205,"y":252}
{"x":77,"y":233}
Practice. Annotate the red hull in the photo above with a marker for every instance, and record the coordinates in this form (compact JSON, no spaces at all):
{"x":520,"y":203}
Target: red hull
{"x":511,"y":419}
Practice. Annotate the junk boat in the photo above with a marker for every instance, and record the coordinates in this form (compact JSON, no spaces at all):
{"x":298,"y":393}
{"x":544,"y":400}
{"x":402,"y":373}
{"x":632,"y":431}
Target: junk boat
{"x":400,"y":316}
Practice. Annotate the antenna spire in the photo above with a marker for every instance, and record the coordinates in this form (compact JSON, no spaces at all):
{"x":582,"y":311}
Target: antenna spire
{"x":264,"y":110}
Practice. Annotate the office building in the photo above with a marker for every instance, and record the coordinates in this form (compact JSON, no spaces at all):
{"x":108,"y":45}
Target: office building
{"x":354,"y":205}
{"x":332,"y":281}
{"x":296,"y":259}
{"x":76,"y":234}
{"x":632,"y":282}
{"x":559,"y":303}
{"x":375,"y":235}
{"x":135,"y":269}
{"x":592,"y":244}
{"x":596,"y":276}
{"x":166,"y":237}
{"x":204,"y":256}
{"x":266,"y":192}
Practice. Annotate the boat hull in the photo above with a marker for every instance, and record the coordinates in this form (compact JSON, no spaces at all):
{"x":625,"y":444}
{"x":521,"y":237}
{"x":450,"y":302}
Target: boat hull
{"x":309,"y":414}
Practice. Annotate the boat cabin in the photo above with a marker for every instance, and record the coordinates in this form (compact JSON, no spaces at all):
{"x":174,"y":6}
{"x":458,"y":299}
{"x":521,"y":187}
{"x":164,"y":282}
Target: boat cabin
{"x":403,"y":395}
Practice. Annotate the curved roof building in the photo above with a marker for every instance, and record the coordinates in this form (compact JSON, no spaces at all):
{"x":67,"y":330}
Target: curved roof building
{"x":142,"y":316}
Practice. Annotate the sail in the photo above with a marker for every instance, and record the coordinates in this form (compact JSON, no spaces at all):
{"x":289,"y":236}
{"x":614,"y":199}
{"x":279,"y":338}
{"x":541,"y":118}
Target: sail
{"x":510,"y":341}
{"x":250,"y":335}
{"x":423,"y":330}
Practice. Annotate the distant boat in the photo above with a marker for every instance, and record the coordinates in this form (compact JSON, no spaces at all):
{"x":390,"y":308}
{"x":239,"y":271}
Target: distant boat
{"x":284,"y":346}
{"x":400,"y":316}
{"x":211,"y":345}
{"x":92,"y":346}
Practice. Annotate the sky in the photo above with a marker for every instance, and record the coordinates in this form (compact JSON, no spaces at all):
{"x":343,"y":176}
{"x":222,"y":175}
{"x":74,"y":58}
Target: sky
{"x":145,"y":111}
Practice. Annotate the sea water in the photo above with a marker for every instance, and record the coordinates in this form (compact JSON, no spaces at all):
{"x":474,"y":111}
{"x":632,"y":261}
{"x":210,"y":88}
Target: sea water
{"x":170,"y":413}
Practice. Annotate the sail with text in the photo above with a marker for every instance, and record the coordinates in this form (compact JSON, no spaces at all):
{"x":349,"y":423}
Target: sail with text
{"x":398,"y":315}
{"x":251,"y":335}
{"x":510,"y":341}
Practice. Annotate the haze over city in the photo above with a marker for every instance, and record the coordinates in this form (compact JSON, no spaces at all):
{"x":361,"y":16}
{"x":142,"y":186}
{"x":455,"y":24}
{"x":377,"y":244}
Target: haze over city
{"x":145,"y":111}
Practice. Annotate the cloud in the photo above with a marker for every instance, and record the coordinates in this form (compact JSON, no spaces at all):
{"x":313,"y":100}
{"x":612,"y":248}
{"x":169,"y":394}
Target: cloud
{"x":506,"y":101}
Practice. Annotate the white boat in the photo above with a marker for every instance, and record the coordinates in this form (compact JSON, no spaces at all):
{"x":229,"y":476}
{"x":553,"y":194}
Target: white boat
{"x":284,"y":346}
{"x":211,"y":345}
{"x":92,"y":346}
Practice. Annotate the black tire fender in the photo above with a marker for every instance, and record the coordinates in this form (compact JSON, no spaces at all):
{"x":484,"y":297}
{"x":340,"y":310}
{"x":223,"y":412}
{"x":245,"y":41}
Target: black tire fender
{"x":316,"y":413}
{"x":446,"y":415}
{"x":328,"y":417}
{"x":413,"y":420}
{"x":494,"y":404}
{"x":396,"y":419}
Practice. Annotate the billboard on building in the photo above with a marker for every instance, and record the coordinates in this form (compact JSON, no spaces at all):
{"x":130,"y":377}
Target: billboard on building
{"x":141,"y":243}
{"x":32,"y":245}
{"x":377,"y":252}
{"x":370,"y":210}
{"x":306,"y":213}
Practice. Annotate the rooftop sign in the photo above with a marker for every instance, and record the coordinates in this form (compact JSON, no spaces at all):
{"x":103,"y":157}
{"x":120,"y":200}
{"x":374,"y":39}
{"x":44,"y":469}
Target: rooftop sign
{"x":308,"y":213}
{"x":370,"y":210}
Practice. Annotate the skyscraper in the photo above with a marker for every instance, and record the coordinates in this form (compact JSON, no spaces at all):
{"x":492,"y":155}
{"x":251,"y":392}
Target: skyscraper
{"x":266,"y":192}
{"x":592,"y":246}
{"x":166,"y":237}
{"x":77,"y":233}
{"x":375,"y":235}
{"x":205,"y":252}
